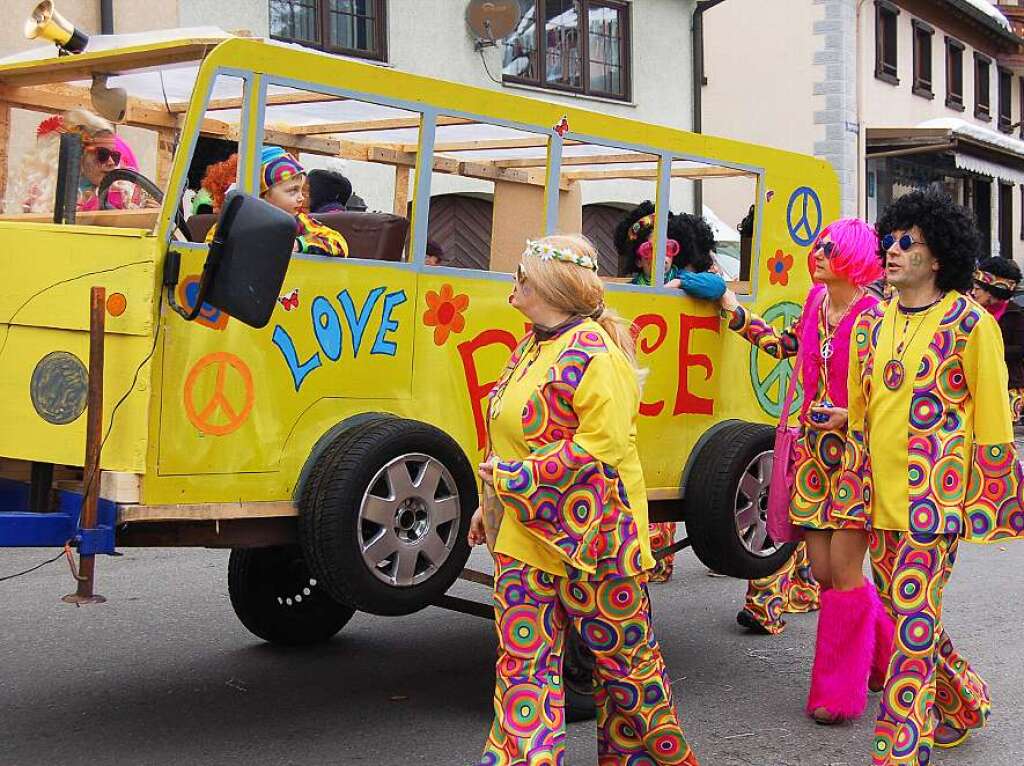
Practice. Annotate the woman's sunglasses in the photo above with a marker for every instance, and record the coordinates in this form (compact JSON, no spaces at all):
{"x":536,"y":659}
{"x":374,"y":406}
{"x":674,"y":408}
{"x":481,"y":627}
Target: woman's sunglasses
{"x":828,"y":249}
{"x":105,"y":155}
{"x":905,"y":242}
{"x":520,"y":274}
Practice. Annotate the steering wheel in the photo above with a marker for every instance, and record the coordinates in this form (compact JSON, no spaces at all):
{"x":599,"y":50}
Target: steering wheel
{"x":132,"y":176}
{"x":135,"y":177}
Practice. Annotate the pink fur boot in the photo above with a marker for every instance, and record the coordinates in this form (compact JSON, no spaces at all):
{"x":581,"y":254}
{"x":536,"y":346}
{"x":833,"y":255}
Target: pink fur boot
{"x":843,"y":653}
{"x":885,"y":631}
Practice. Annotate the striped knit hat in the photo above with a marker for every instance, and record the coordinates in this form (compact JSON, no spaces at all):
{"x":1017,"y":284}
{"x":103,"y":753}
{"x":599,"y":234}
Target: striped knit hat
{"x":277,"y":166}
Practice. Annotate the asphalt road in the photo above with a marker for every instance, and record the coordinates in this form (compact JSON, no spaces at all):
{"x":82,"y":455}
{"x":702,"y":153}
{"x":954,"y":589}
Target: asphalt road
{"x":164,"y":674}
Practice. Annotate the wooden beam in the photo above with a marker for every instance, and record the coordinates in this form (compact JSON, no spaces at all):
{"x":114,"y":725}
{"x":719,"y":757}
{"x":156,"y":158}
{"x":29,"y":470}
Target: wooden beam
{"x":485,"y":144}
{"x":68,"y":68}
{"x":395,"y":156}
{"x":639,"y":173}
{"x":206,"y":511}
{"x":367,"y":126}
{"x":597,"y":159}
{"x":277,"y":99}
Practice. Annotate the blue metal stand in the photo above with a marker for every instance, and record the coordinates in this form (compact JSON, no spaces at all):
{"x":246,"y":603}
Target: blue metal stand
{"x":20,"y":528}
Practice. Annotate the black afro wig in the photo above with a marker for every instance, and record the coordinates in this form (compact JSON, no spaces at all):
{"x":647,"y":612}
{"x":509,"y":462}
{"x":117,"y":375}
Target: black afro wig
{"x":1003,"y":268}
{"x":949,"y":231}
{"x":636,"y":227}
{"x":698,"y":257}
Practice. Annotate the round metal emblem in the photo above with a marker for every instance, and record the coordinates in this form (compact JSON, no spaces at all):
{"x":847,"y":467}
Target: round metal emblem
{"x":59,"y":389}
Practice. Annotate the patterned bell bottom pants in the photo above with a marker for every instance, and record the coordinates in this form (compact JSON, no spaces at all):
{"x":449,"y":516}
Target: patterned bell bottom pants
{"x":792,"y":589}
{"x":636,"y":721}
{"x":928,"y":682}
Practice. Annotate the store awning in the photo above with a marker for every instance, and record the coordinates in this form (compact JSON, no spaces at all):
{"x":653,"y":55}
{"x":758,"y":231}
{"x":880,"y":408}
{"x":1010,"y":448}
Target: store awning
{"x":973,"y":148}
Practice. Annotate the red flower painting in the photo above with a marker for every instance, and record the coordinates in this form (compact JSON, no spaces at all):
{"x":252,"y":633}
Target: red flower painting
{"x":444,"y":313}
{"x":778,"y":268}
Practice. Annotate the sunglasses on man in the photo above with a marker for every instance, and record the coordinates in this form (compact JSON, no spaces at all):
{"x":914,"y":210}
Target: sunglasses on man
{"x":105,"y":155}
{"x":905,"y":242}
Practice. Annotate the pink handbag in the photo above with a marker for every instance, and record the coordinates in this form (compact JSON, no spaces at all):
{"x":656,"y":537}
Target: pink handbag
{"x":780,"y":528}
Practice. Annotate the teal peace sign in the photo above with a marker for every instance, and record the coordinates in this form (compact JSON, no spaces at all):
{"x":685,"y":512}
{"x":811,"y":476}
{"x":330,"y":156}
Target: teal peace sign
{"x":771,"y":389}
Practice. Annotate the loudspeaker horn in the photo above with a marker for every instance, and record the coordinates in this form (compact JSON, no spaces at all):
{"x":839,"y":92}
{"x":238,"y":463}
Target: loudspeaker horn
{"x":46,"y":23}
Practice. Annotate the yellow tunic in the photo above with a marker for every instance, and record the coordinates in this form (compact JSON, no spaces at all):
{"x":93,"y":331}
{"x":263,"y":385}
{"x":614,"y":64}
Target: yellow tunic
{"x":563,"y":418}
{"x":933,"y":455}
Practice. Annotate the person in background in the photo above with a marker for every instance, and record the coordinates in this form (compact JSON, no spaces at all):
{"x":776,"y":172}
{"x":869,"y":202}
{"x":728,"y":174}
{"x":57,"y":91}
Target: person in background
{"x":435,"y":253}
{"x":929,"y":461}
{"x":995,"y":283}
{"x":329,"y":191}
{"x":218,"y":179}
{"x":281,"y":184}
{"x":572,"y":546}
{"x":854,"y":633}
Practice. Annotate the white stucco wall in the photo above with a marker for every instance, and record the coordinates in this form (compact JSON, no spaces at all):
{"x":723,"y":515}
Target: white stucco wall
{"x":760,"y":85}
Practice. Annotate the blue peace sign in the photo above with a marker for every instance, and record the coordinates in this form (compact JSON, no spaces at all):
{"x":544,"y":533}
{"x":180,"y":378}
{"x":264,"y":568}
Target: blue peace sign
{"x":803,"y":216}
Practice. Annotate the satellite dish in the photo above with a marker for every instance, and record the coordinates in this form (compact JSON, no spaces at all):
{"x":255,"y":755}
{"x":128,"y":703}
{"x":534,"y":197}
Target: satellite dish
{"x":493,"y":20}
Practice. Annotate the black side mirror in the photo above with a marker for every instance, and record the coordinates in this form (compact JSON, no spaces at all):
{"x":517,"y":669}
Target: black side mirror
{"x":247,"y":262}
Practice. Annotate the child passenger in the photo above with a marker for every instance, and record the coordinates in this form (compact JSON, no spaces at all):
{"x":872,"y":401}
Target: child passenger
{"x":281,"y":182}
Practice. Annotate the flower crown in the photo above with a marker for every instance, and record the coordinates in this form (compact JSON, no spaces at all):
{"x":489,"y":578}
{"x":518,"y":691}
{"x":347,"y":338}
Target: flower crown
{"x":548,"y":252}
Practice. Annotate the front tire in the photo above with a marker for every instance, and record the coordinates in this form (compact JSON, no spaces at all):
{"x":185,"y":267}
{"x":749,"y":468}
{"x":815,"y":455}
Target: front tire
{"x":726,"y":502}
{"x":384,"y":515}
{"x":277,"y":599}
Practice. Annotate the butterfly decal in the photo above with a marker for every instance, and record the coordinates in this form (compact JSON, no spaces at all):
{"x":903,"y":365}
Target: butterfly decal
{"x":290,"y":300}
{"x":563,"y":127}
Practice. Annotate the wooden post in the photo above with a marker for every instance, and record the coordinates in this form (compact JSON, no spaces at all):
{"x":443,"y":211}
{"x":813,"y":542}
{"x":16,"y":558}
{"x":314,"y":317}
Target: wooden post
{"x":93,"y":438}
{"x":164,"y":156}
{"x":5,"y":141}
{"x":401,"y":201}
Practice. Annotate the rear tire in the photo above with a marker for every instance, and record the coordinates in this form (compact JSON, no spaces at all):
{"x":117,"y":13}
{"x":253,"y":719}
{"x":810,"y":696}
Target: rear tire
{"x":726,"y":501}
{"x":276,"y":597}
{"x":384,"y":515}
{"x":579,"y":679}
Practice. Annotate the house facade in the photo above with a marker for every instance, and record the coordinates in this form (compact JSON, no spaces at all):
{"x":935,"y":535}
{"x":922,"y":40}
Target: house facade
{"x":895,"y":94}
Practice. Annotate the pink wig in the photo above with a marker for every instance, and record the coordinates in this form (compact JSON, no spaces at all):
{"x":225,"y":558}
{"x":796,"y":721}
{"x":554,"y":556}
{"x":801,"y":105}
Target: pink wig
{"x":855,"y":257}
{"x":127,"y":155}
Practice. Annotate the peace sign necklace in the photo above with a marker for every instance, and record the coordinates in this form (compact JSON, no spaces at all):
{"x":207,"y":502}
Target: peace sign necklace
{"x":827,"y":349}
{"x":893,"y":374}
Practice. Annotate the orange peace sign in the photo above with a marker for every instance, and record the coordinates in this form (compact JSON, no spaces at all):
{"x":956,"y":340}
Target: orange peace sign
{"x":215,"y":413}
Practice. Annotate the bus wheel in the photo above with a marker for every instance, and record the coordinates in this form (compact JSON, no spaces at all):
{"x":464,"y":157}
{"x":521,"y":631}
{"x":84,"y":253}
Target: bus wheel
{"x":278,"y":599}
{"x":726,"y":501}
{"x":384,"y":515}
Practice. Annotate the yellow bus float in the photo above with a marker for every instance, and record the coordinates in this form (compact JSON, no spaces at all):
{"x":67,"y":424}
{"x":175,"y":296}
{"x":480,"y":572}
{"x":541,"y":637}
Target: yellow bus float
{"x":332,"y":448}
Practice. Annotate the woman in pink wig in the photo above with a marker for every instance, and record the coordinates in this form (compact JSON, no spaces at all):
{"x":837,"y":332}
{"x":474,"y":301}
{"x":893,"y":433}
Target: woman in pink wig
{"x":854,"y":632}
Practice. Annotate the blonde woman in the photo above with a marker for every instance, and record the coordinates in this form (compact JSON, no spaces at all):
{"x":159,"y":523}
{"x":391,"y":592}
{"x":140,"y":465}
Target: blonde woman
{"x":573,"y":543}
{"x":34,"y":185}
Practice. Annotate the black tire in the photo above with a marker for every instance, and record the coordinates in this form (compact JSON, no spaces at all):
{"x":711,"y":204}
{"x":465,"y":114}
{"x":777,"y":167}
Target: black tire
{"x":277,"y":598}
{"x":384,"y":544}
{"x":578,"y":678}
{"x":714,"y":497}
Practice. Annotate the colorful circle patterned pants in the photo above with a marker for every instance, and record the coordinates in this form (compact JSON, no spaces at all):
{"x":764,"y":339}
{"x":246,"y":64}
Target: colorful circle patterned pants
{"x":792,"y":589}
{"x":928,"y":682}
{"x":636,"y":721}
